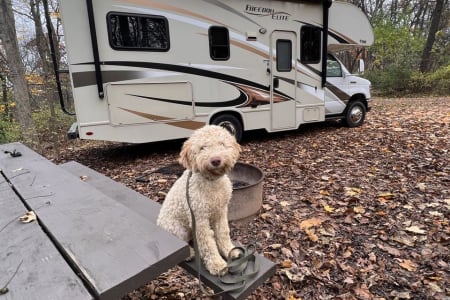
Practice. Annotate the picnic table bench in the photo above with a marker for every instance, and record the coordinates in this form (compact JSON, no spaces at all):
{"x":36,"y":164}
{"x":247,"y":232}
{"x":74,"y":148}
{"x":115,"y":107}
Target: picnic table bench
{"x":94,"y":238}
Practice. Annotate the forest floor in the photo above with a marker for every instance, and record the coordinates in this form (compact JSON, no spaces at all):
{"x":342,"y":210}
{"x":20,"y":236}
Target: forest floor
{"x":348,"y":213}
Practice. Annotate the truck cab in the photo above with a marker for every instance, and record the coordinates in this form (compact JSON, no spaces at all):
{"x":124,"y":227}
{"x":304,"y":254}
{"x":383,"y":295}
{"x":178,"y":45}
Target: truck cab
{"x":347,"y":96}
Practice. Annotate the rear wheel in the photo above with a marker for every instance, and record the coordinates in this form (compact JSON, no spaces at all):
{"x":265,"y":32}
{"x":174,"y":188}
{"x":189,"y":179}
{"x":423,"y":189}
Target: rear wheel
{"x":356,"y":114}
{"x":230,"y":123}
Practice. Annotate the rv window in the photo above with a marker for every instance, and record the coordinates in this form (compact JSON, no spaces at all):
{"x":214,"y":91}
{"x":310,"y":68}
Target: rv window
{"x":138,"y":32}
{"x":219,"y":43}
{"x":284,"y":55}
{"x":333,"y":67}
{"x":310,"y":44}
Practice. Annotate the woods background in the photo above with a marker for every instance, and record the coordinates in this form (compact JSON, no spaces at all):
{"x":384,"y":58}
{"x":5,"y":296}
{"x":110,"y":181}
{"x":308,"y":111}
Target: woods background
{"x":410,"y":56}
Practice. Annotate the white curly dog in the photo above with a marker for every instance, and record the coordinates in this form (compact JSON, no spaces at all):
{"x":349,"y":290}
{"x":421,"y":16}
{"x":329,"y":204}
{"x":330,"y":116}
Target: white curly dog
{"x":210,"y":153}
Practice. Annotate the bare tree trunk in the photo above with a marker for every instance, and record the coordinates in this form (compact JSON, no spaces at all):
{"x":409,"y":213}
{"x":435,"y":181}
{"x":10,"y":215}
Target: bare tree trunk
{"x":47,"y":67}
{"x":17,"y":70}
{"x":425,"y":63}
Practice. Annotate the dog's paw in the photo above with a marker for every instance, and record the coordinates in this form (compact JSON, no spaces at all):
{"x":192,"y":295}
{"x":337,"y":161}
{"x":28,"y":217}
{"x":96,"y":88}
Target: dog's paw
{"x":217,"y":267}
{"x":191,"y":255}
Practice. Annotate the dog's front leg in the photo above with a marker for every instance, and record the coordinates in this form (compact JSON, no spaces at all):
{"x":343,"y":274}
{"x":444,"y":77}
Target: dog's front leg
{"x":222,"y":233}
{"x":207,"y":247}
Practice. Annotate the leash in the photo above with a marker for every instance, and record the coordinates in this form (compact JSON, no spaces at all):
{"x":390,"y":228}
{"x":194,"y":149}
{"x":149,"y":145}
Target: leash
{"x":236,"y":267}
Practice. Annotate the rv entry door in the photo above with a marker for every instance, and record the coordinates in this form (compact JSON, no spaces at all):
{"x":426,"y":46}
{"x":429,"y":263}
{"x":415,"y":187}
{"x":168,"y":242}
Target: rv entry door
{"x":283,"y":54}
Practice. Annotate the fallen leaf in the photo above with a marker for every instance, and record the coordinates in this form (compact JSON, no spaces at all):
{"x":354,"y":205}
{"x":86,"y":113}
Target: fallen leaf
{"x":294,"y":277}
{"x":276,"y":246}
{"x":386,"y":195}
{"x":324,"y":193}
{"x":284,"y":203}
{"x":434,"y":286}
{"x":266,"y":215}
{"x":435,"y":213}
{"x":267,"y":207}
{"x":352,"y":191}
{"x":28,"y":217}
{"x":286,"y":252}
{"x":415,"y":229}
{"x":363,"y":293}
{"x":348,"y":280}
{"x":287,"y":264}
{"x":292,"y":297}
{"x":404,"y":239}
{"x":400,"y":295}
{"x":328,"y":208}
{"x":390,"y":250}
{"x":408,"y":265}
{"x":311,"y":235}
{"x":421,"y":186}
{"x":272,"y":197}
{"x":359,"y":209}
{"x":310,"y":223}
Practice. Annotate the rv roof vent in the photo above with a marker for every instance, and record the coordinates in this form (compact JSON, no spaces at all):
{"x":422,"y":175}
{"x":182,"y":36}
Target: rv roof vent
{"x":251,"y":36}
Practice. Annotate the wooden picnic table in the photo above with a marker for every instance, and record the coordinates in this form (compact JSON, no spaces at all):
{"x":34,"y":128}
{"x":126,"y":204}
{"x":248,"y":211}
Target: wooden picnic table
{"x":93,"y":238}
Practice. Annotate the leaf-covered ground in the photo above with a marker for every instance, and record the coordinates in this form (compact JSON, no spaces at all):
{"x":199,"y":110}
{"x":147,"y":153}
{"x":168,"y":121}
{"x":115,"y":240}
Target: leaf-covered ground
{"x":358,"y":213}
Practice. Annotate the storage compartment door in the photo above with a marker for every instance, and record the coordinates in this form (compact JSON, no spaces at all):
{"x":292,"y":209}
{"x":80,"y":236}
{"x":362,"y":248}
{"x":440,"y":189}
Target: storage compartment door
{"x":149,"y":102}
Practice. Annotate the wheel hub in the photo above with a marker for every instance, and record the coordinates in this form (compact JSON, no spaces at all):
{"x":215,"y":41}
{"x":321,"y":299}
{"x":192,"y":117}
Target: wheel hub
{"x":356,"y":114}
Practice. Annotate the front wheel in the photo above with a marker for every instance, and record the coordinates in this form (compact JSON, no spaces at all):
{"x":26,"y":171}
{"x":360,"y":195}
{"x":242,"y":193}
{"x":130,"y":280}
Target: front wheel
{"x":356,"y":114}
{"x":230,"y":123}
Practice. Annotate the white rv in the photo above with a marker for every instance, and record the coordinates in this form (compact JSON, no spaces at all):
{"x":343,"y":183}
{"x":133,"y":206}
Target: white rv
{"x":152,"y":70}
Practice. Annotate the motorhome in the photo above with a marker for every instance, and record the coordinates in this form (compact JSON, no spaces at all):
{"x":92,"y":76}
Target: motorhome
{"x":154,"y":70}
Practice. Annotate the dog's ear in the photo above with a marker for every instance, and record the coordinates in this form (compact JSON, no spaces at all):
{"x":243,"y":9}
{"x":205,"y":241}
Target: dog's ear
{"x":236,"y":150}
{"x":185,"y":155}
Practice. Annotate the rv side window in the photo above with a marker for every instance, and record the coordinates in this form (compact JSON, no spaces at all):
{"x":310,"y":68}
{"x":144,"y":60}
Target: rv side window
{"x":219,"y":43}
{"x":284,"y":55}
{"x":138,"y":32}
{"x":310,"y":44}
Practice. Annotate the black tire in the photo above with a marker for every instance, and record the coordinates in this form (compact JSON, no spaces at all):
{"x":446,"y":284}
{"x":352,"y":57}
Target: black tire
{"x":230,"y":123}
{"x":355,"y":114}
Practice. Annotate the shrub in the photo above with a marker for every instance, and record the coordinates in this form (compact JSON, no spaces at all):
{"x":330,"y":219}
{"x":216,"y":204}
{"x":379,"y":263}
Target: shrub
{"x":392,"y":81}
{"x":47,"y":127}
{"x":395,"y":81}
{"x":9,"y":130}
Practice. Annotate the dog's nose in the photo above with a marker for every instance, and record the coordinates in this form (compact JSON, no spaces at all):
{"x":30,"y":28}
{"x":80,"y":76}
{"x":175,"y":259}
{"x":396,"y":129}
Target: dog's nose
{"x":215,"y":161}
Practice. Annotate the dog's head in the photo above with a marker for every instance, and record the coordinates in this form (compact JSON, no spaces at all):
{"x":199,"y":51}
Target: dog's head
{"x":211,"y":151}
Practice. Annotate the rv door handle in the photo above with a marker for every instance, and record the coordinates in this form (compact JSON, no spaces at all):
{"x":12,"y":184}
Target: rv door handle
{"x":276,"y":83}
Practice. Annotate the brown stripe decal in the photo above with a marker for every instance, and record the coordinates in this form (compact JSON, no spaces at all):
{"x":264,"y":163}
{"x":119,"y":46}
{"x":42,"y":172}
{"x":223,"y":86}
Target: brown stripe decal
{"x":338,"y":92}
{"x":178,"y":10}
{"x":250,"y":49}
{"x":193,"y":125}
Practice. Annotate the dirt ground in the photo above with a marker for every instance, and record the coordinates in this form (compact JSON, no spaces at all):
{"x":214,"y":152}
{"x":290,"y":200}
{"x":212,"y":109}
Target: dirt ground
{"x":348,"y":213}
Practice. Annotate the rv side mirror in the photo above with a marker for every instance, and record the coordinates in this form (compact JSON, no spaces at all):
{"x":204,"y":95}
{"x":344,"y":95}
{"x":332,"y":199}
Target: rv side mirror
{"x":361,"y":66}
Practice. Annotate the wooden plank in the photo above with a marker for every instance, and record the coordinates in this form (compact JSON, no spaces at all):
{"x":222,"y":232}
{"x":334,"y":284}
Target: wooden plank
{"x":42,"y":273}
{"x":116,"y":249}
{"x":140,"y":204}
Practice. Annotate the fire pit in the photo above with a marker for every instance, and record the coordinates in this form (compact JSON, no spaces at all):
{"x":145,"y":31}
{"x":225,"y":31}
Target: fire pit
{"x":247,"y":191}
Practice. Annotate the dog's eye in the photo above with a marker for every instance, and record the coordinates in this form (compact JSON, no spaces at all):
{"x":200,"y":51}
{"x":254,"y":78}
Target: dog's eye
{"x":202,"y":148}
